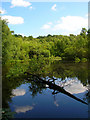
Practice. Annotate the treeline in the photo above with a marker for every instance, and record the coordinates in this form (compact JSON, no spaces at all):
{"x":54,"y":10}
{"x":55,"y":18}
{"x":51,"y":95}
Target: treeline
{"x":68,"y":48}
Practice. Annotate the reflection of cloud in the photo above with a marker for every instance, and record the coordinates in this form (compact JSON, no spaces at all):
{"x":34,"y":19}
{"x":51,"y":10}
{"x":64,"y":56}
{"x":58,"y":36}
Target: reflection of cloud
{"x":75,"y":87}
{"x":47,"y":85}
{"x":23,"y":109}
{"x":18,"y":92}
{"x":55,"y":102}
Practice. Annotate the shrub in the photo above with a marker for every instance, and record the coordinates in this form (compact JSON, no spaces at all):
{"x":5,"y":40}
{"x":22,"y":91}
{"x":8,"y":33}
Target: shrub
{"x":84,"y":60}
{"x":77,"y":59}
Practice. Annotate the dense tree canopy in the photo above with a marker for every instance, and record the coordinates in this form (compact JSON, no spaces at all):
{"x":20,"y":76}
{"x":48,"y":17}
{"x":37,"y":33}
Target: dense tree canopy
{"x":17,"y":47}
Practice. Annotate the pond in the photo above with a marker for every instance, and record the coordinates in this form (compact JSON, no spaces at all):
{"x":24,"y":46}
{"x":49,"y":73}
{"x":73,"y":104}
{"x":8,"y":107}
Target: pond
{"x":25,"y":96}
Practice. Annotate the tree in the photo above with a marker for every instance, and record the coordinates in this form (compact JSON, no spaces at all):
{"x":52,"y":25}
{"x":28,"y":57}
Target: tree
{"x":83,"y":32}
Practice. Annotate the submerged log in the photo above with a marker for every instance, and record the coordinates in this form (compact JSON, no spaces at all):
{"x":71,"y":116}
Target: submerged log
{"x":56,"y":87}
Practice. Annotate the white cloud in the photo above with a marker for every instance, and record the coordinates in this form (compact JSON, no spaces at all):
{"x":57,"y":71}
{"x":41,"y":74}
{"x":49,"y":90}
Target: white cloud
{"x":20,"y":3}
{"x":23,"y":109}
{"x":54,"y":7}
{"x":2,"y":11}
{"x":67,"y":25}
{"x":13,"y":19}
{"x":18,"y":92}
{"x":71,"y":24}
{"x":47,"y":26}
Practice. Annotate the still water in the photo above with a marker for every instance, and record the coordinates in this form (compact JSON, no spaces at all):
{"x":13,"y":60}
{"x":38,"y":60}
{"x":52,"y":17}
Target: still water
{"x":27,"y":97}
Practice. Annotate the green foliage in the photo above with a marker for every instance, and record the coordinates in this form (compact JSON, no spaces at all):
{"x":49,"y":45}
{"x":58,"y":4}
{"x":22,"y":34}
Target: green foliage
{"x":38,"y":56}
{"x":7,"y":114}
{"x":37,"y":65}
{"x":16,"y":47}
{"x":17,"y":68}
{"x":77,"y":59}
{"x":84,"y":60}
{"x":88,"y":43}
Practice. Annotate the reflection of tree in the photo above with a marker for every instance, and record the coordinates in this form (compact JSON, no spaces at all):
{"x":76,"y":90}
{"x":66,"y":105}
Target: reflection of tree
{"x":8,"y":84}
{"x":69,"y":70}
{"x":13,"y":77}
{"x":35,"y":86}
{"x":54,"y":87}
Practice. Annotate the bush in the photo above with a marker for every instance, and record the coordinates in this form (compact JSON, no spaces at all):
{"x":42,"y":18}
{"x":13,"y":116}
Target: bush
{"x":84,"y":60}
{"x":77,"y":59}
{"x":46,"y":53}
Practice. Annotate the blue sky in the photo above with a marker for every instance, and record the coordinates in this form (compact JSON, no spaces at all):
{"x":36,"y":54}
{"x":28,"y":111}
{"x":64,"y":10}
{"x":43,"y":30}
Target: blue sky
{"x":43,"y":18}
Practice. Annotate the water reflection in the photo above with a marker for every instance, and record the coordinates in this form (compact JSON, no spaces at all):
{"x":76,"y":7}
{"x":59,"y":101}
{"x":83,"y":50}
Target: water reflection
{"x":18,"y":92}
{"x":53,"y":86}
{"x":75,"y":87}
{"x":23,"y":109}
{"x":48,"y":100}
{"x":72,"y":85}
{"x":56,"y":102}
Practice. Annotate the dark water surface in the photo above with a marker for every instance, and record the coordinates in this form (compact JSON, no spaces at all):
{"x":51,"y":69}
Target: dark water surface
{"x":26,"y":97}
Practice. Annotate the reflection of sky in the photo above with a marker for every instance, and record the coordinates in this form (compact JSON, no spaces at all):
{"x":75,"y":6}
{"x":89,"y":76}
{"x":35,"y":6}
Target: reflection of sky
{"x":18,"y":92}
{"x":23,"y":109}
{"x":46,"y":105}
{"x":74,"y":87}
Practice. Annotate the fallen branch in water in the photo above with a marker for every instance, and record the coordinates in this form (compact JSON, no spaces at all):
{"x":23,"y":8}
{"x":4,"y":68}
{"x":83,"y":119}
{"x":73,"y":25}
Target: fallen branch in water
{"x":56,"y":87}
